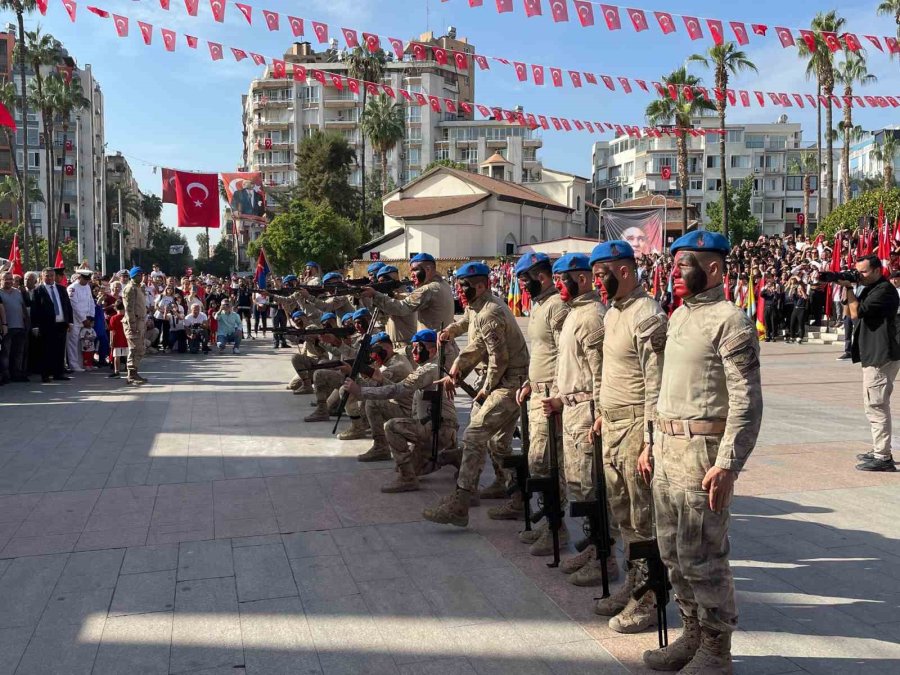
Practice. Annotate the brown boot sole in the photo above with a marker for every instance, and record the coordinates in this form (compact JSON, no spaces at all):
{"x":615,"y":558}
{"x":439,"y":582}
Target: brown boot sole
{"x":497,"y":514}
{"x":316,"y":418}
{"x":395,"y":489}
{"x":373,"y":458}
{"x":458,"y":521}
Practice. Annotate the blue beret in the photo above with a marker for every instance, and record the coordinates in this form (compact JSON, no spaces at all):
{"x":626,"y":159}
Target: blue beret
{"x":526,"y":262}
{"x":572,"y":262}
{"x":374,"y":267}
{"x":347,"y":317}
{"x":380,"y":337}
{"x":425,"y":335}
{"x":702,"y":241}
{"x":387,"y":269}
{"x":422,"y":257}
{"x":311,"y":263}
{"x":328,"y":315}
{"x":134,"y":271}
{"x":611,"y":250}
{"x":297,"y":314}
{"x":361,"y":313}
{"x":290,"y":277}
{"x":332,"y":276}
{"x":473,"y":269}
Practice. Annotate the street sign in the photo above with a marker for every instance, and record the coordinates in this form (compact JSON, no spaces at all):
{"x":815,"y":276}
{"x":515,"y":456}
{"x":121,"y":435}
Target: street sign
{"x":176,"y":250}
{"x":666,"y":173}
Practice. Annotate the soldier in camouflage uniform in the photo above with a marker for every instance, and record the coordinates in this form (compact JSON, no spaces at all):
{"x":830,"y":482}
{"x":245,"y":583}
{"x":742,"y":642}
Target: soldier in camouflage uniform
{"x":633,"y":344}
{"x":309,"y":352}
{"x":315,"y":306}
{"x":328,"y":382}
{"x":390,"y":367}
{"x":548,"y":313}
{"x":578,"y":374}
{"x":135,"y":322}
{"x":709,"y":412}
{"x":410,"y":436}
{"x":401,"y":327}
{"x":499,"y":341}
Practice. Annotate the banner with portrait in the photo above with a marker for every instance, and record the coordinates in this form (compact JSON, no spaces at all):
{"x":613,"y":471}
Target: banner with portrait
{"x":246,"y":195}
{"x":642,"y":228}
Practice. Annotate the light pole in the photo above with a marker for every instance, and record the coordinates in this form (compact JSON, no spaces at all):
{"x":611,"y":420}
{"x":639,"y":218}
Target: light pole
{"x":665,"y":221}
{"x":600,"y":217}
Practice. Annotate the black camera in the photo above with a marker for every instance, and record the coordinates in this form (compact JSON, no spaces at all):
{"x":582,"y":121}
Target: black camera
{"x":834,"y":277}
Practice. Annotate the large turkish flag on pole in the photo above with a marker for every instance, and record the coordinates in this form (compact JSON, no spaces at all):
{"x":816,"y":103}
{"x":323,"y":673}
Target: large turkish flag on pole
{"x":198,"y":199}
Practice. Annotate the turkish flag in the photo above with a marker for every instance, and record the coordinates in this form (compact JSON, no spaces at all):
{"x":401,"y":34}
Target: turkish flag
{"x":372,"y":88}
{"x":42,"y":7}
{"x":389,"y":90}
{"x":687,"y":91}
{"x":852,"y":42}
{"x":59,"y":264}
{"x":459,"y":58}
{"x":556,"y":77}
{"x":745,"y":98}
{"x":812,"y":100}
{"x":299,"y":73}
{"x":504,"y":6}
{"x":353,"y":85}
{"x":218,"y":9}
{"x":69,"y":169}
{"x":449,"y":105}
{"x":740,"y":32}
{"x":271,"y":19}
{"x":693,"y":27}
{"x":585,"y":12}
{"x":373,"y":44}
{"x":875,"y":41}
{"x":808,"y":37}
{"x":642,"y":85}
{"x":760,"y":98}
{"x":543,"y":120}
{"x":258,"y":59}
{"x":521,"y":71}
{"x":607,"y":80}
{"x":191,"y":41}
{"x":832,"y":41}
{"x":716,"y":30}
{"x":350,"y":37}
{"x":799,"y":99}
{"x":440,"y":55}
{"x":483,"y":110}
{"x":464,"y":106}
{"x":666,"y":23}
{"x":565,"y":123}
{"x":168,"y":37}
{"x":589,"y":126}
{"x":146,"y":31}
{"x":246,"y":10}
{"x":576,"y":78}
{"x":321,"y":31}
{"x":318,"y":76}
{"x":435,"y":103}
{"x":590,"y":78}
{"x":215,"y":51}
{"x":71,"y":8}
{"x":191,"y":6}
{"x":578,"y":125}
{"x":164,"y":4}
{"x":121,"y":25}
{"x":296,"y":25}
{"x":893,"y":44}
{"x":611,"y":16}
{"x":397,"y":46}
{"x":239,"y":54}
{"x":638,"y":19}
{"x":532,"y":8}
{"x":418,"y":51}
{"x":481,"y":61}
{"x":560,"y":10}
{"x":537,"y":74}
{"x":15,"y":255}
{"x":626,"y":85}
{"x":168,"y":186}
{"x":197,"y":197}
{"x":278,"y":69}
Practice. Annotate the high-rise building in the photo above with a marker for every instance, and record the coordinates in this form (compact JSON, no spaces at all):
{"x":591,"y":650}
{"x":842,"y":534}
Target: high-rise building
{"x":626,"y":168}
{"x":862,"y":157}
{"x":278,"y":113}
{"x":136,"y":226}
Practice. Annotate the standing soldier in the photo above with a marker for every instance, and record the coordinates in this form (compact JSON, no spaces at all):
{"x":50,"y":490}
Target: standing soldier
{"x":135,"y":324}
{"x":401,"y":327}
{"x":633,"y":347}
{"x":548,"y":313}
{"x":578,"y":373}
{"x":312,"y":275}
{"x":499,"y":341}
{"x":709,"y":412}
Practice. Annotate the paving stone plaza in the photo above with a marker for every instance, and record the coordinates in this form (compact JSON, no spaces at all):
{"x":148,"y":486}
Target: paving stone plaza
{"x":198,"y":525}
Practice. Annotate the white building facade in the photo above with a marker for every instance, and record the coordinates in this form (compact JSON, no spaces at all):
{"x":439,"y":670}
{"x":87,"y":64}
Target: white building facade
{"x":862,"y":160}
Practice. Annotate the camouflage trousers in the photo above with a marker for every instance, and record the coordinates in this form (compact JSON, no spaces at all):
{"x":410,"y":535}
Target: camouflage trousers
{"x":301,"y":362}
{"x":328,"y":389}
{"x":627,"y":492}
{"x":491,"y":428}
{"x":539,"y":445}
{"x":379,"y":413}
{"x":579,"y":451}
{"x":410,"y":440}
{"x":136,"y":349}
{"x":693,"y":540}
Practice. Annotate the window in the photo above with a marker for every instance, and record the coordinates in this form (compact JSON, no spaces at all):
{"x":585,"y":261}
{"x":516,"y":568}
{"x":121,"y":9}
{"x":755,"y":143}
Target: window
{"x":735,"y":183}
{"x":441,"y":153}
{"x":34,"y":159}
{"x":695,"y":184}
{"x":577,"y":203}
{"x":793,"y":209}
{"x":309,"y":94}
{"x":663,"y":160}
{"x":794,"y":183}
{"x":414,"y":134}
{"x":754,"y":141}
{"x":770,"y":208}
{"x":740,"y":161}
{"x":413,"y":114}
{"x":693,"y":165}
{"x":468,"y":155}
{"x":713,"y":184}
{"x":734,"y":136}
{"x":415,"y":156}
{"x":712,"y":162}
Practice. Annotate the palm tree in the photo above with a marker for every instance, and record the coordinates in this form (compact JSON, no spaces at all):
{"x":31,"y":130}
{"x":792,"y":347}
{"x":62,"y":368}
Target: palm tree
{"x":805,"y":165}
{"x":891,"y":8}
{"x":885,"y":152}
{"x":11,"y":191}
{"x":67,"y":99}
{"x":848,"y":72}
{"x":724,"y":60}
{"x":20,"y":8}
{"x":369,"y":67}
{"x":383,"y":121}
{"x":820,"y":64}
{"x":664,"y":111}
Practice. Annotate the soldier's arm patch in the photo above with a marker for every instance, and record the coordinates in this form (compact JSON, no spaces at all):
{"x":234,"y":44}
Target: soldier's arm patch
{"x":492,"y":334}
{"x":595,"y":337}
{"x":654,"y":329}
{"x":558,"y":319}
{"x":741,"y":350}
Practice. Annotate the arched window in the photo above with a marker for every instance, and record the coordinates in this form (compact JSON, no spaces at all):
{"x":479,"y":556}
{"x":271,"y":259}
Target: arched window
{"x":578,"y":203}
{"x":510,"y":245}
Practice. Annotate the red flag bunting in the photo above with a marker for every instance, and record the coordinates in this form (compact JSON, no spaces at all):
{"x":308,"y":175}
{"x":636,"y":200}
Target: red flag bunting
{"x":666,"y":22}
{"x":537,"y":74}
{"x":435,"y":103}
{"x":576,"y":78}
{"x":102,"y":13}
{"x":299,"y":73}
{"x":716,"y":30}
{"x":218,"y":9}
{"x":373,"y":44}
{"x":638,"y":19}
{"x":626,"y":85}
{"x":521,"y":71}
{"x":271,"y":19}
{"x":191,"y":6}
{"x":146,"y":31}
{"x":239,"y":54}
{"x":258,"y":59}
{"x":350,"y":37}
{"x":532,"y":8}
{"x":461,"y":61}
{"x":191,"y":41}
{"x":397,"y":46}
{"x":504,"y":6}
{"x":759,"y":28}
{"x":611,"y":16}
{"x":556,"y":77}
{"x":321,"y":31}
{"x":440,"y":55}
{"x":875,"y":41}
{"x":693,"y":27}
{"x":279,"y":69}
{"x":71,"y":8}
{"x":121,"y":23}
{"x":389,"y":90}
{"x":559,"y":10}
{"x":481,"y":61}
{"x":246,"y":10}
{"x":296,"y":25}
{"x":808,"y":37}
{"x":740,"y":32}
{"x":169,"y":39}
{"x":585,"y":11}
{"x":852,"y":42}
{"x":590,"y":78}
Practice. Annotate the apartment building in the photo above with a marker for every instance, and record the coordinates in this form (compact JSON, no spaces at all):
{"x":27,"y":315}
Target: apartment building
{"x":628,"y":168}
{"x":862,"y":161}
{"x":136,"y":231}
{"x":278,"y":113}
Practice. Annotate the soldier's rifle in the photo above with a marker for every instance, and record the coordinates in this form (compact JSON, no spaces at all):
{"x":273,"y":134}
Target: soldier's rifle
{"x":519,"y":464}
{"x":657,"y":580}
{"x":437,"y":403}
{"x":361,"y":359}
{"x":595,"y":512}
{"x":339,"y":332}
{"x":365,"y":370}
{"x":548,"y":487}
{"x":349,"y":287}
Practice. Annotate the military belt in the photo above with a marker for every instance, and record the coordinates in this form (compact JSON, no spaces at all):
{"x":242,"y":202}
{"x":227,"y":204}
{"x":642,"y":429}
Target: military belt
{"x":539,"y":386}
{"x":575,"y":399}
{"x":625,"y":412}
{"x":692,"y":427}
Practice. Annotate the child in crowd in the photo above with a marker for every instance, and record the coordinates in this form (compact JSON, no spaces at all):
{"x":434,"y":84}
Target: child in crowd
{"x":88,"y":338}
{"x":117,"y":340}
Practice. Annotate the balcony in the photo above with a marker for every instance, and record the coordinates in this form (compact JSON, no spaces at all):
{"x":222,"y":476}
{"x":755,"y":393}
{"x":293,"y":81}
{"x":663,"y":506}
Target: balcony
{"x":272,"y":104}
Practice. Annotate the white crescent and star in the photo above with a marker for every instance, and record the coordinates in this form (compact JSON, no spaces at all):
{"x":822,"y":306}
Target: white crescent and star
{"x":217,"y":8}
{"x":558,"y":8}
{"x":272,"y":20}
{"x":197,"y":202}
{"x":122,"y":25}
{"x":693,"y":27}
{"x":611,"y":17}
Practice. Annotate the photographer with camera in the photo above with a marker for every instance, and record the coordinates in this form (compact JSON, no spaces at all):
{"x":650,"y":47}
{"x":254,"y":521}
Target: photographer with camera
{"x":875,"y":345}
{"x":197,"y":326}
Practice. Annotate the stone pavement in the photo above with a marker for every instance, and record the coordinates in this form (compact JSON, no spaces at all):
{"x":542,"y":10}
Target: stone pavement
{"x":198,"y":525}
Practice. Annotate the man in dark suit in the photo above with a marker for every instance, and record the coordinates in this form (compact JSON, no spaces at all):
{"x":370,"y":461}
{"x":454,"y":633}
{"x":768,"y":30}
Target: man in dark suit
{"x":51,"y":316}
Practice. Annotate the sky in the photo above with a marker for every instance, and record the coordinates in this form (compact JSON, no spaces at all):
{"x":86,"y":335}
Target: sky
{"x":182,"y":110}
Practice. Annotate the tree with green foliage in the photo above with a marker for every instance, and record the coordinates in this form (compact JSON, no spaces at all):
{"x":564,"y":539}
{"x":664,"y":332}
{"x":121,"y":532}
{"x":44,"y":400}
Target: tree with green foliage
{"x":383,"y":121}
{"x":724,"y":60}
{"x":151,"y":208}
{"x":307,"y":230}
{"x":449,"y":163}
{"x":681,"y":112}
{"x":847,"y":217}
{"x":850,"y":72}
{"x":170,"y":263}
{"x":67,"y":98}
{"x":806,"y":165}
{"x":374,"y":220}
{"x":222,"y":261}
{"x":891,"y":8}
{"x":743,"y":225}
{"x":885,"y":152}
{"x":11,"y":192}
{"x":324,"y":163}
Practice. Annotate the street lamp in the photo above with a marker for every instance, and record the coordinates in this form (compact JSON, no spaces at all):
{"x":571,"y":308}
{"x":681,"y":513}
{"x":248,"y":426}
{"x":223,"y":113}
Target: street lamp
{"x":665,"y":206}
{"x":600,"y":216}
